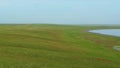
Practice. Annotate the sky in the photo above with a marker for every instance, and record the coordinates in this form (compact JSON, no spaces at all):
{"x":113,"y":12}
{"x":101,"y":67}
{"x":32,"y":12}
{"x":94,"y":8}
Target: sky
{"x":60,"y":11}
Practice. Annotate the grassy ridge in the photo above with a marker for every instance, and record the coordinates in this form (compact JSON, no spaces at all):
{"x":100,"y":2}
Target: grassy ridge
{"x":57,"y":46}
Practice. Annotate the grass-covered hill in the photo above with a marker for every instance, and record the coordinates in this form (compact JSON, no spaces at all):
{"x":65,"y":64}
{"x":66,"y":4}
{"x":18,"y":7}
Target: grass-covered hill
{"x":57,"y":46}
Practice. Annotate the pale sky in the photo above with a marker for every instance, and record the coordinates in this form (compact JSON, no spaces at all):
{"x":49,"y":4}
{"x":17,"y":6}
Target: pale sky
{"x":60,"y":11}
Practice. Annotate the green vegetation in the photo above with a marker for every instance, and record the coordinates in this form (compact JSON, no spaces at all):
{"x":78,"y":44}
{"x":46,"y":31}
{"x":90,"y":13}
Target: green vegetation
{"x":57,"y":46}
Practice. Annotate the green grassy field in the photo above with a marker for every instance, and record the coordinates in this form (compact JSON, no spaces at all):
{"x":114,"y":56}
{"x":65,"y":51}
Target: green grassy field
{"x":57,"y":46}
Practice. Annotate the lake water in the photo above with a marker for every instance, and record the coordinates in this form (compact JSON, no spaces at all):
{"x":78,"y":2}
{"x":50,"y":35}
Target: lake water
{"x":112,"y":32}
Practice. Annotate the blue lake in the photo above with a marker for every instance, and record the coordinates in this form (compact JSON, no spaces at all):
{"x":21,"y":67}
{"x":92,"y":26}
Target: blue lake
{"x":112,"y":32}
